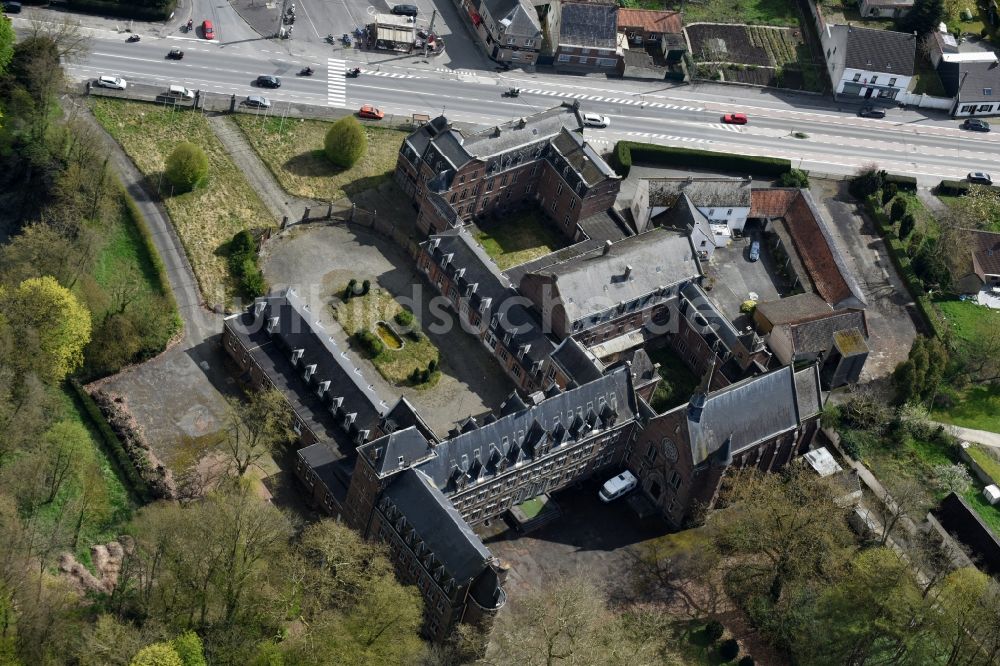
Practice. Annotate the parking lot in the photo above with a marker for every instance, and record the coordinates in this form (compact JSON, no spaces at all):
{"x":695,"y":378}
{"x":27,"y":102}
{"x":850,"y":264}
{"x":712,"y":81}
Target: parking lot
{"x":736,"y":279}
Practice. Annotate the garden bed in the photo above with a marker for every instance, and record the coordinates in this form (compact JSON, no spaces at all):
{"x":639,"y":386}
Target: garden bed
{"x":757,"y":55}
{"x":757,"y":12}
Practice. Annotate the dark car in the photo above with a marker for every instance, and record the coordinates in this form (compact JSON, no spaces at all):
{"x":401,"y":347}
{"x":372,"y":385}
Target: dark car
{"x":175,"y":54}
{"x":268,"y":81}
{"x":976,"y":125}
{"x":12,"y":7}
{"x":980,"y":178}
{"x":754,"y":251}
{"x":257,"y":102}
{"x":871,"y":112}
{"x":405,"y":10}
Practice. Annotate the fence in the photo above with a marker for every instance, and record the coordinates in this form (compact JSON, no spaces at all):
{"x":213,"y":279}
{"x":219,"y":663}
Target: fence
{"x":925,"y":101}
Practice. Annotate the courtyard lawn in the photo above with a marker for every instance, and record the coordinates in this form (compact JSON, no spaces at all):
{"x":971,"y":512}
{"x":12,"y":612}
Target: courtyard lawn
{"x":531,"y":508}
{"x":293,"y":151}
{"x":914,"y":460}
{"x":519,"y":238}
{"x":677,"y":382}
{"x":395,"y":365}
{"x":205,"y":219}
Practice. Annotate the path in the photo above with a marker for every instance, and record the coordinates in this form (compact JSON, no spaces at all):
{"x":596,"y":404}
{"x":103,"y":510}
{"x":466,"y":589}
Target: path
{"x":984,"y":437}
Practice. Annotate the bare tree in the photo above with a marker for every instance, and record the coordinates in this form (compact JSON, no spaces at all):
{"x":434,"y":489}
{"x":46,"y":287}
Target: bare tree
{"x":72,"y":43}
{"x":906,"y":496}
{"x":254,"y":427}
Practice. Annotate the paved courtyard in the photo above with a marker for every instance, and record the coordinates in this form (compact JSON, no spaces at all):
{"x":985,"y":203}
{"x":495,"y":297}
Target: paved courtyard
{"x":736,"y":279}
{"x":318,"y":260}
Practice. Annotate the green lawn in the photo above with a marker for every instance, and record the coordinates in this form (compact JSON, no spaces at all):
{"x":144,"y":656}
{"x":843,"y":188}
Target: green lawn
{"x":985,"y":460}
{"x":914,"y":460}
{"x":677,"y":382}
{"x":989,"y":513}
{"x":363,"y":312}
{"x":978,"y":408}
{"x":207,"y":218}
{"x":519,"y":238}
{"x":760,"y":12}
{"x":293,"y":151}
{"x":968,"y":319}
{"x":531,"y":508}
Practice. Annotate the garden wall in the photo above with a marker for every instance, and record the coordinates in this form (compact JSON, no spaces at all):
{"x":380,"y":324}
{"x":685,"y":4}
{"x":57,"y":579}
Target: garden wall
{"x":958,"y":518}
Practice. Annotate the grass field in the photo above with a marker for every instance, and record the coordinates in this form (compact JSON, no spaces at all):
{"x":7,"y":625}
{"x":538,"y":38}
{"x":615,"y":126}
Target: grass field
{"x":207,"y":218}
{"x":362,"y":312}
{"x":754,"y":12}
{"x":969,"y":320}
{"x":293,"y":151}
{"x":989,"y":463}
{"x":124,"y":247}
{"x":677,"y":382}
{"x":978,"y":408}
{"x":518,"y":239}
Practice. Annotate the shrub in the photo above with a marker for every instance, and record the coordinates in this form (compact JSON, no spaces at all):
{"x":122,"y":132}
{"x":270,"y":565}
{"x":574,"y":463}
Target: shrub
{"x":854,"y":443}
{"x":243,"y":265}
{"x":867,"y":182}
{"x":952,"y":478}
{"x":627,"y":152}
{"x":748,"y":306}
{"x":432,"y":366}
{"x":415,"y":376}
{"x":889,"y":191}
{"x":404,"y":318}
{"x":425,"y":376}
{"x":253,"y":283}
{"x":370,"y":342}
{"x":906,"y":225}
{"x":897,"y":210}
{"x":953,"y":188}
{"x":794,"y":178}
{"x":345,"y":142}
{"x":366,"y":287}
{"x":349,"y":289}
{"x":623,"y":158}
{"x":729,"y":649}
{"x":746,"y":661}
{"x":714,"y":631}
{"x":187,"y":167}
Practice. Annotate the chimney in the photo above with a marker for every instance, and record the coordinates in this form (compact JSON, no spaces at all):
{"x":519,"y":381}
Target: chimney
{"x":628,"y":271}
{"x":607,"y":247}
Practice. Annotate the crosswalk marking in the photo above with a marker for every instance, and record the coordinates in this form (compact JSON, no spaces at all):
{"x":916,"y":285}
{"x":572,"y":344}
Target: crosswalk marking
{"x":336,"y":85}
{"x":392,"y":75}
{"x":614,"y":100}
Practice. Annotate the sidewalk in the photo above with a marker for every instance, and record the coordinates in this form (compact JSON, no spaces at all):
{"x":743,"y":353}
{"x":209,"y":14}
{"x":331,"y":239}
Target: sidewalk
{"x":983,"y":437}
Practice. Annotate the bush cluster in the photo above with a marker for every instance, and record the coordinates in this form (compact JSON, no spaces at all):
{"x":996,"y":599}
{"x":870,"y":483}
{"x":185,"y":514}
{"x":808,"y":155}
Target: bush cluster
{"x":423,"y":375}
{"x":187,"y":167}
{"x":404,"y":318}
{"x":349,"y":290}
{"x":243,"y":264}
{"x":370,"y":342}
{"x":627,"y":152}
{"x":345,"y":142}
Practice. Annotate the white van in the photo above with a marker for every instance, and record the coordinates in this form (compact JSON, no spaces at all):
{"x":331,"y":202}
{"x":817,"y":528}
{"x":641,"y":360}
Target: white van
{"x":616,"y":487}
{"x":179,"y":92}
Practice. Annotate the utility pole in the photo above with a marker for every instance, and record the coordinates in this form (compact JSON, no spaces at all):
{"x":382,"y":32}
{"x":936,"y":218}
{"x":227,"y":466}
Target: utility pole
{"x":430,"y":31}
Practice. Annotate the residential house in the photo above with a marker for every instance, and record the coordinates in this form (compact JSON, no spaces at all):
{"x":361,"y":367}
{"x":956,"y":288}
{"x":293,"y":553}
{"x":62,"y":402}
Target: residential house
{"x":538,"y":160}
{"x":682,"y":455}
{"x":869,"y":64}
{"x":585,"y":35}
{"x":508,"y":30}
{"x":983,"y":265}
{"x":722,"y":202}
{"x":974,"y":84}
{"x":799,"y":236}
{"x":661,"y":32}
{"x":884,"y":9}
{"x":621,"y":291}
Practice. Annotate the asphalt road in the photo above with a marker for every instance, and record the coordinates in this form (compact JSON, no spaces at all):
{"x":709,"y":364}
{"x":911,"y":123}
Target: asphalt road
{"x":808,"y":130}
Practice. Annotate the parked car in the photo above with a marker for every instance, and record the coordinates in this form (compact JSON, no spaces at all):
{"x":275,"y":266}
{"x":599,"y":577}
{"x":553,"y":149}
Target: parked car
{"x":976,"y":125}
{"x":754,"y":251}
{"x":617,"y":486}
{"x":115,"y":82}
{"x":370,"y":112}
{"x":405,"y":10}
{"x":595,"y":120}
{"x":735,"y":119}
{"x":980,"y":178}
{"x":871,"y":112}
{"x":12,"y":7}
{"x":175,"y":54}
{"x":268,"y":81}
{"x":207,"y":29}
{"x":257,"y":102}
{"x":178,"y":92}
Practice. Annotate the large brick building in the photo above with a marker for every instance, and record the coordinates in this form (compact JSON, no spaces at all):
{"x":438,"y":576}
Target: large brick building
{"x":538,"y":160}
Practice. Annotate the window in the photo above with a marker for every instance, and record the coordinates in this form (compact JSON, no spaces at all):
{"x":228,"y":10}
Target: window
{"x":566,"y":221}
{"x":892,"y":81}
{"x":517,"y":370}
{"x":475,"y":190}
{"x":503,"y":181}
{"x":874,"y":79}
{"x":489,"y":185}
{"x":507,"y":195}
{"x":503,"y":354}
{"x":534,"y":169}
{"x":585,"y":51}
{"x":968,"y":108}
{"x":987,"y":92}
{"x":704,"y":243}
{"x":454,"y":197}
{"x":529,"y":42}
{"x":729,"y":212}
{"x":553,"y":206}
{"x":651,"y":452}
{"x":572,"y":204}
{"x":527,"y":188}
{"x":675,"y":479}
{"x":857,"y":77}
{"x":559,"y":189}
{"x":563,"y":58}
{"x":584,"y":60}
{"x":461,"y":181}
{"x":985,"y":107}
{"x":510,"y":40}
{"x":464,"y":193}
{"x":605,"y":62}
{"x":486,"y":200}
{"x":513,"y":177}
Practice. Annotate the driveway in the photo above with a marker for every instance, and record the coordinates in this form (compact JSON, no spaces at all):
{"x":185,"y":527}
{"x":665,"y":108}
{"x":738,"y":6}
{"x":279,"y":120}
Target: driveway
{"x":318,"y":260}
{"x":891,"y":312}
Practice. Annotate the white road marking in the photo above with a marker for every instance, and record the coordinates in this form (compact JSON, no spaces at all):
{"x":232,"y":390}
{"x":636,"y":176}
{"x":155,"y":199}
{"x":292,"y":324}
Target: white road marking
{"x":336,"y":82}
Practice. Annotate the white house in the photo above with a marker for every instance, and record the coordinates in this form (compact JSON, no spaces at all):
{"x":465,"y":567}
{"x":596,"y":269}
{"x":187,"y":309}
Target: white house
{"x":725,"y":202}
{"x":869,"y":64}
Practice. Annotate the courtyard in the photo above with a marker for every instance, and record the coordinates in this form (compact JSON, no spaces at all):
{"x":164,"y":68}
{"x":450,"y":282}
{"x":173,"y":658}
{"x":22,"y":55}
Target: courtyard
{"x":734,"y":278}
{"x":319,"y":260}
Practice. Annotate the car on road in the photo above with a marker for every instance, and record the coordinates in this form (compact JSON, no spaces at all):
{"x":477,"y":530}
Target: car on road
{"x":370,"y":112}
{"x":267,"y":81}
{"x":114,"y":82}
{"x":257,"y":102}
{"x":595,"y":120}
{"x":976,"y":125}
{"x":871,"y":112}
{"x":754,"y":251}
{"x":207,"y":29}
{"x":980,"y":178}
{"x":735,"y":119}
{"x":404,"y":10}
{"x":175,"y":54}
{"x":617,"y":486}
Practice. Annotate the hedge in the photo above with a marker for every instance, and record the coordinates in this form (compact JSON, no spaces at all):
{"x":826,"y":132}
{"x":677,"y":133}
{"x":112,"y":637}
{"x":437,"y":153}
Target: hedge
{"x":150,"y":12}
{"x":133,"y":481}
{"x":903,"y":183}
{"x":627,"y":152}
{"x":955,"y":188}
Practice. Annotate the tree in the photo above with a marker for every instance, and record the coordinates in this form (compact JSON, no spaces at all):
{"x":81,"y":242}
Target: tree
{"x":967,"y":623}
{"x":189,"y":648}
{"x":7,"y":39}
{"x":255,"y":427}
{"x":924,"y":17}
{"x":52,"y":324}
{"x":684,"y":570}
{"x":905,"y":496}
{"x":919,"y":377}
{"x":66,"y":444}
{"x":729,"y":649}
{"x":40,"y":249}
{"x":157,"y":654}
{"x":906,"y":225}
{"x":187,"y":167}
{"x":346,"y":142}
{"x":794,"y":178}
{"x":898,"y":209}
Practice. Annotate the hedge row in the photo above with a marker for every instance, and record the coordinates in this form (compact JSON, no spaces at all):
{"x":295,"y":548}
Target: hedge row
{"x":897,"y":252}
{"x":627,"y":152}
{"x":150,"y":11}
{"x":957,"y":188}
{"x":126,"y":470}
{"x":902,"y":183}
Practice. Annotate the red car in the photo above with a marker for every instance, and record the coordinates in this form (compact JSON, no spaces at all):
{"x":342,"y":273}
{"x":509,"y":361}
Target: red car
{"x":735,"y":119}
{"x":370,"y":112}
{"x":208,"y":30}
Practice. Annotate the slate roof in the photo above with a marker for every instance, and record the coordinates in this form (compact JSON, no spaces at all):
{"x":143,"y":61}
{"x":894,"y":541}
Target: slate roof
{"x":584,"y":160}
{"x":396,"y":450}
{"x":650,"y":20}
{"x":439,"y":525}
{"x":714,"y":192}
{"x":589,"y":24}
{"x":490,"y":448}
{"x":791,"y":309}
{"x":325,"y":462}
{"x":643,"y":368}
{"x":986,"y":251}
{"x":808,"y":398}
{"x":527,"y":130}
{"x":487,"y":289}
{"x":881,"y":51}
{"x":516,"y":17}
{"x":745,"y":413}
{"x":816,"y":335}
{"x":695,"y":303}
{"x":579,"y":364}
{"x":595,"y":281}
{"x":403,"y":415}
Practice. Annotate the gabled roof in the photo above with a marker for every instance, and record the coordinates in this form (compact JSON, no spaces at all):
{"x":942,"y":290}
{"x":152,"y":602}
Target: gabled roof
{"x":980,"y":82}
{"x":591,"y":24}
{"x":808,"y":397}
{"x":985,"y":251}
{"x":881,"y":50}
{"x":439,"y":525}
{"x":516,"y":17}
{"x":576,"y":361}
{"x":816,"y":334}
{"x":712,"y":192}
{"x":770,"y":202}
{"x":650,"y":20}
{"x":582,"y":157}
{"x":800,"y":307}
{"x":543,"y":126}
{"x":396,"y":450}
